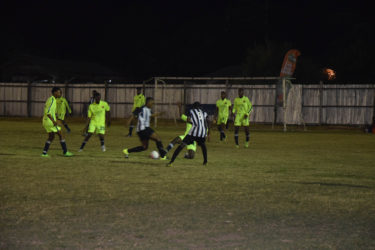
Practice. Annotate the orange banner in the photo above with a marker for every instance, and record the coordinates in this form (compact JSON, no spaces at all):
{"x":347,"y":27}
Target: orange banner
{"x":289,"y":63}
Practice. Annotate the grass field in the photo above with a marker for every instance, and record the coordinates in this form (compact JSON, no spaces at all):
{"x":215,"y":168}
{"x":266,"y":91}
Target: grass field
{"x":298,"y":190}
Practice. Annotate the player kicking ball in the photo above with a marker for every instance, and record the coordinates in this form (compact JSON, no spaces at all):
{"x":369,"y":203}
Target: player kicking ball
{"x":145,"y":133}
{"x":242,"y":108}
{"x":223,"y":109}
{"x":197,"y":133}
{"x":97,"y":113}
{"x":50,"y":124}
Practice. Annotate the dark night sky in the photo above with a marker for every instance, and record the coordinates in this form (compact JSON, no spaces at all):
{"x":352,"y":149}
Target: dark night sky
{"x":147,"y":38}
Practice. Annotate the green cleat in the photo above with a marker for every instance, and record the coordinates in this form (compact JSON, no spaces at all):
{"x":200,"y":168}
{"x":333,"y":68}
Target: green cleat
{"x":126,"y":153}
{"x":44,"y":155}
{"x":68,"y":154}
{"x":246,"y":144}
{"x":163,"y":158}
{"x":169,"y":165}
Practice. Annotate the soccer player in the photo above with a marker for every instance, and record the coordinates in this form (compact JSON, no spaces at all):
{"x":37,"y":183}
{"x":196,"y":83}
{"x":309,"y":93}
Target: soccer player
{"x":50,"y":124}
{"x":145,"y":133}
{"x":197,"y":133}
{"x":92,"y":100}
{"x":61,"y":107}
{"x":242,"y":108}
{"x":97,"y":113}
{"x":223,"y":109}
{"x":139,"y":101}
{"x":192,"y":148}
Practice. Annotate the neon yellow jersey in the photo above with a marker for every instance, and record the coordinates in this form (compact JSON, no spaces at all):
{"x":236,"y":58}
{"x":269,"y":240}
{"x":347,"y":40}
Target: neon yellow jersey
{"x":97,"y":111}
{"x":50,"y":108}
{"x":62,"y":105}
{"x":242,"y":105}
{"x":139,"y":101}
{"x":223,"y":107}
{"x":188,"y":125}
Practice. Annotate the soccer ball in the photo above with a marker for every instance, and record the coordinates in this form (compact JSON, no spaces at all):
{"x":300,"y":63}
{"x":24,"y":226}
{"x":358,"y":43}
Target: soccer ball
{"x":154,"y":155}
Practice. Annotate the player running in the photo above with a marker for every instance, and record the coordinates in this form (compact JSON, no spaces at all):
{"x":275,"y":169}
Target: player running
{"x":50,"y":124}
{"x":197,"y":133}
{"x":242,"y":108}
{"x":61,"y":107}
{"x":97,"y":113}
{"x":139,"y":101}
{"x":192,"y":148}
{"x":223,"y":109}
{"x":145,"y":133}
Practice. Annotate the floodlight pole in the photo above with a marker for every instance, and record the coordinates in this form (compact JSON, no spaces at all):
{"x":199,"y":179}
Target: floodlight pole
{"x":284,"y":101}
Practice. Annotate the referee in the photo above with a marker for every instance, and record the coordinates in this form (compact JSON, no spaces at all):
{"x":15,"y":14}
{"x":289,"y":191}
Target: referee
{"x":197,"y":133}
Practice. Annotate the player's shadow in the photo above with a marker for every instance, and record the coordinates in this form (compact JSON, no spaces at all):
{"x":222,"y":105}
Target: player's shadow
{"x":141,"y":163}
{"x":333,"y":184}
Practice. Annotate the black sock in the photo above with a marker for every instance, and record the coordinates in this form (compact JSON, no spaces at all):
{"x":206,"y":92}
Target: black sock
{"x":170,"y":146}
{"x":236,"y":138}
{"x":83,"y":144}
{"x":247,"y":136}
{"x":162,"y":152}
{"x":204,"y":151}
{"x":131,"y":129}
{"x":46,"y":147}
{"x":63,"y":146}
{"x":176,"y":152}
{"x":67,"y":128}
{"x":136,"y":149}
{"x":221,"y":133}
{"x":101,"y":141}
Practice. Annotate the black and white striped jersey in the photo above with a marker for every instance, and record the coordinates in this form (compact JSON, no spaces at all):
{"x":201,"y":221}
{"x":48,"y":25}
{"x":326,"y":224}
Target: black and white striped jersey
{"x":144,"y":117}
{"x":199,"y":123}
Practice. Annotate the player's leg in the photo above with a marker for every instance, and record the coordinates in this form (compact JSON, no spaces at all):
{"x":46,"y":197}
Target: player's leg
{"x":155,"y":137}
{"x":186,"y":141}
{"x":65,"y":125}
{"x":90,"y":131}
{"x":202,"y":144}
{"x":176,"y":140}
{"x":237,"y":124}
{"x":141,"y":148}
{"x":247,"y":133}
{"x":87,"y":138}
{"x":101,"y":138}
{"x":236,"y":129}
{"x":50,"y":138}
{"x":63,"y":143}
{"x":131,"y":126}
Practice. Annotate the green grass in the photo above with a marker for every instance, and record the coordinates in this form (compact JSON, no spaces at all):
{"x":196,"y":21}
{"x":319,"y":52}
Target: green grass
{"x":298,"y":190}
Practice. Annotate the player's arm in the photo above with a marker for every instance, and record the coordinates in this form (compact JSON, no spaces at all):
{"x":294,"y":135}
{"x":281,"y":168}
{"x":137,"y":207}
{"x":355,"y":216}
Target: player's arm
{"x":89,"y":114}
{"x":108,"y":117}
{"x":67,"y":106}
{"x":249,"y":108}
{"x":157,"y":114}
{"x":48,"y":113}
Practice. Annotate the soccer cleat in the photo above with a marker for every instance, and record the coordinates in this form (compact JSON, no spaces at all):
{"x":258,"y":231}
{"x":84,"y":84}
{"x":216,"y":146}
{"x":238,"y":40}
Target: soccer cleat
{"x":205,"y":164}
{"x":163,"y":158}
{"x":44,"y":155}
{"x":170,"y":165}
{"x":237,"y":146}
{"x":246,"y":144}
{"x":68,"y":154}
{"x":80,"y":150}
{"x":103,"y":148}
{"x":126,"y":153}
{"x":128,"y":135}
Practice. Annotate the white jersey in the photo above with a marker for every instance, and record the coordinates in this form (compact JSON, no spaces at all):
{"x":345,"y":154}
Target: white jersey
{"x":199,"y":123}
{"x":144,"y":117}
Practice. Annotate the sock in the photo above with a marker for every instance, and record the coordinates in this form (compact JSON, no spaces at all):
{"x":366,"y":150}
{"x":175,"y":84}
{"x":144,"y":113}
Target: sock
{"x":204,"y":151}
{"x":136,"y":149}
{"x":83,"y":144}
{"x":236,"y":138}
{"x":131,"y":129}
{"x":162,"y":152}
{"x":247,"y":136}
{"x":101,"y":141}
{"x":170,"y":146}
{"x":63,"y":146}
{"x":46,"y":147}
{"x":66,"y":126}
{"x":221,"y":133}
{"x":176,"y":152}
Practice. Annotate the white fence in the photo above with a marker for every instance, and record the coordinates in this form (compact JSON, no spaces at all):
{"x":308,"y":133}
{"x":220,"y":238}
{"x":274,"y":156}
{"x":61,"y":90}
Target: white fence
{"x":338,"y":104}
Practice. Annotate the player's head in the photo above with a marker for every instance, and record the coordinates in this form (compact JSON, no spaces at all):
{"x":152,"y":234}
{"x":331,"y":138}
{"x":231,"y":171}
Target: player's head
{"x":93,"y":92}
{"x":196,"y":105}
{"x":223,"y":94}
{"x":139,"y":90}
{"x":97,"y":97}
{"x":149,"y":102}
{"x":240,"y":92}
{"x":56,"y":92}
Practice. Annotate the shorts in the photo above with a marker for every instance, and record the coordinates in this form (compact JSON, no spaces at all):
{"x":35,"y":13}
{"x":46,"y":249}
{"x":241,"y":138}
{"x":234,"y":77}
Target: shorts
{"x":49,"y":127}
{"x":192,"y":146}
{"x":241,"y":120}
{"x":96,"y":128}
{"x":61,"y":116}
{"x":144,"y":135}
{"x":222,"y":120}
{"x":192,"y":139}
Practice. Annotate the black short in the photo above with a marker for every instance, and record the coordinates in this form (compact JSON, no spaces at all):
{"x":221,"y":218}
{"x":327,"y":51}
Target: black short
{"x":145,"y":134}
{"x":190,"y":139}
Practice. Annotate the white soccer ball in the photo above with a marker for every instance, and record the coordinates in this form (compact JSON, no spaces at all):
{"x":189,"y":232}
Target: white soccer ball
{"x":154,"y":155}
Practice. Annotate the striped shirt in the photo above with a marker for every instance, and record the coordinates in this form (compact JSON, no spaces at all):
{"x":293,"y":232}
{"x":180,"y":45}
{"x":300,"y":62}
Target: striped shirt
{"x":199,"y":123}
{"x":144,"y":118}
